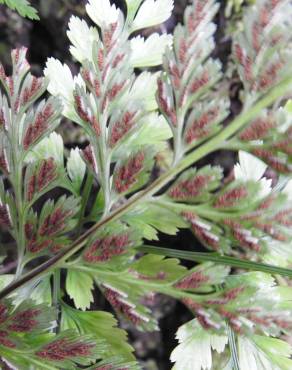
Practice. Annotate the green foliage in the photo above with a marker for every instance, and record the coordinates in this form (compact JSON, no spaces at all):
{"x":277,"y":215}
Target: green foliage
{"x":150,"y":266}
{"x":83,"y":220}
{"x":104,"y":327}
{"x":23,"y":7}
{"x":194,"y":350}
{"x":235,"y":6}
{"x":263,"y":352}
{"x":25,"y":343}
{"x":79,"y":286}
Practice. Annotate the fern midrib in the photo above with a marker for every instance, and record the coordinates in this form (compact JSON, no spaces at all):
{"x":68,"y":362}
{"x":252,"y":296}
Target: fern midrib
{"x":217,"y":259}
{"x":214,"y":144}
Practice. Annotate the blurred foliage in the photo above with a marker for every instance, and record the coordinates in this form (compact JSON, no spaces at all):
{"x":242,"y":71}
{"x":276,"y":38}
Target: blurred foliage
{"x":235,"y":6}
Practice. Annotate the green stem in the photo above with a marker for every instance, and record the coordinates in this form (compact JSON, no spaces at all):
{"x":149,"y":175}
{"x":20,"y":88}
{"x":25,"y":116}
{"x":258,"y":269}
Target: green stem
{"x":208,"y":147}
{"x":20,"y":266}
{"x":106,"y":188}
{"x":163,"y":288}
{"x":231,"y":339}
{"x":104,"y":165}
{"x":56,"y":287}
{"x":56,"y":299}
{"x":233,"y":348}
{"x":238,"y":123}
{"x":18,"y":186}
{"x":85,"y":197}
{"x":203,"y":210}
{"x":177,"y":138}
{"x":218,"y":259}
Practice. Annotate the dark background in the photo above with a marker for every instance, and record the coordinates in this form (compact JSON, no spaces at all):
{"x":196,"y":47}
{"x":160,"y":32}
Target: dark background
{"x":46,"y":38}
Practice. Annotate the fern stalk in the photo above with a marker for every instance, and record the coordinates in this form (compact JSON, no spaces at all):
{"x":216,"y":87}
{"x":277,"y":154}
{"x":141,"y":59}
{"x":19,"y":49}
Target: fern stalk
{"x":207,"y":148}
{"x":214,"y":257}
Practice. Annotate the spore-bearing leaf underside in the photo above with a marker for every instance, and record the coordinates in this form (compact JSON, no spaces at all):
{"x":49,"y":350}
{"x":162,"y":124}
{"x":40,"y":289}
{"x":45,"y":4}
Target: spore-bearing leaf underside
{"x":77,"y":223}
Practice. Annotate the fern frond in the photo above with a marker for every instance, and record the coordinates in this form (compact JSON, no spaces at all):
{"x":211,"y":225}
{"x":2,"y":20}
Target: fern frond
{"x":23,"y":7}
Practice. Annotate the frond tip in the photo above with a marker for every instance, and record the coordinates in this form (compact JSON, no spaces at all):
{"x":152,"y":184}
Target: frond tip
{"x":23,"y":7}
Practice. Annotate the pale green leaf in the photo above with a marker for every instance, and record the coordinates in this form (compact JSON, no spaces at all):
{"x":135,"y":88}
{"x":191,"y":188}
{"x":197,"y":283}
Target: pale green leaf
{"x":41,"y":293}
{"x":153,"y":129}
{"x":143,"y":91}
{"x":249,"y":167}
{"x":149,"y":52}
{"x":264,"y":353}
{"x":132,"y":6}
{"x":152,"y":13}
{"x":288,"y":106}
{"x":194,"y":351}
{"x":5,"y":279}
{"x":102,"y":12}
{"x":252,"y":168}
{"x":82,"y":38}
{"x":152,"y":265}
{"x":50,"y":147}
{"x":154,"y":218}
{"x":60,"y":79}
{"x":76,"y":168}
{"x":62,"y":83}
{"x":79,"y":286}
